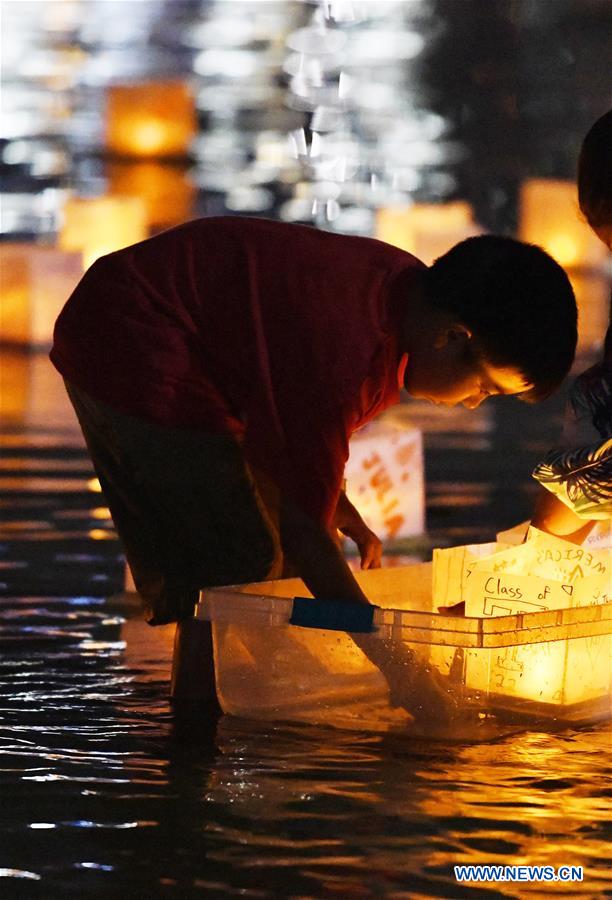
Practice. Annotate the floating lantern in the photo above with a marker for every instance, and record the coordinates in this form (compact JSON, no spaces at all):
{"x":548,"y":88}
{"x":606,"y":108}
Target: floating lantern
{"x":152,"y":119}
{"x":166,"y":190}
{"x":427,"y":230}
{"x":535,"y":668}
{"x":98,"y":225}
{"x":384,"y":479}
{"x":551,"y":218}
{"x":528,"y":600}
{"x":36,"y":282}
{"x":32,"y":392}
{"x":14,"y":384}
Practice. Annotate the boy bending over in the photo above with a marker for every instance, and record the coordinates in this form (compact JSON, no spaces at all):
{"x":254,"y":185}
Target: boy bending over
{"x":219,"y":369}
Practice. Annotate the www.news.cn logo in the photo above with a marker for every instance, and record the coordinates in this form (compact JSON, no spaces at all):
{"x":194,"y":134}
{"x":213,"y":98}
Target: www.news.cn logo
{"x":518,"y":873}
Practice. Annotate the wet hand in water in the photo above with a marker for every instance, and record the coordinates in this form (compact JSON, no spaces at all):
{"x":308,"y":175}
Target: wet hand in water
{"x":457,"y":609}
{"x":413,"y":686}
{"x":418,"y":689}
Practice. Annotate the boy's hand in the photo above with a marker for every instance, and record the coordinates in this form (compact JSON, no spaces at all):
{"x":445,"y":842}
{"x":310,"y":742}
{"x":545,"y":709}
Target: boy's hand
{"x":350,"y":523}
{"x":414,"y":686}
{"x":457,"y":609}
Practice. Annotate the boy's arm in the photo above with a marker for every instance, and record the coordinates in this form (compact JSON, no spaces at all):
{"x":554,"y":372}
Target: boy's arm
{"x":554,"y":517}
{"x":348,"y":520}
{"x":317,"y":556}
{"x":325,"y":572}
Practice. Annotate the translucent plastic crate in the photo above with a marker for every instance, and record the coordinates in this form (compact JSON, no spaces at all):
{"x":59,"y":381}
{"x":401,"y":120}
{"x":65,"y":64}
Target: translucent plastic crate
{"x":551,"y":665}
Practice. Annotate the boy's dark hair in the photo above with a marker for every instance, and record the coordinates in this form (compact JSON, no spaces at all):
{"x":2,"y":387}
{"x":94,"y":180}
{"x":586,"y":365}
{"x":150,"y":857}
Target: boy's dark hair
{"x":517,"y":301}
{"x":595,"y":173}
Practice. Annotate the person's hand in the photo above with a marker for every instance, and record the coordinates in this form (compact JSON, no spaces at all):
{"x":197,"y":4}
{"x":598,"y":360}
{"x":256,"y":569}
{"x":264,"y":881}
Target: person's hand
{"x":349,"y":522}
{"x":413,"y":685}
{"x":369,"y":545}
{"x":457,"y":609}
{"x":420,"y":690}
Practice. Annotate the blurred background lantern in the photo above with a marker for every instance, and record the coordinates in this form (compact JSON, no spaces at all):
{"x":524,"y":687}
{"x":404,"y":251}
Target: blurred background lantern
{"x":36,"y":282}
{"x":551,"y":218}
{"x":152,"y":119}
{"x":32,"y":391}
{"x":593,"y":301}
{"x":426,"y":229}
{"x":384,"y":479}
{"x":98,"y":225}
{"x":167,"y":190}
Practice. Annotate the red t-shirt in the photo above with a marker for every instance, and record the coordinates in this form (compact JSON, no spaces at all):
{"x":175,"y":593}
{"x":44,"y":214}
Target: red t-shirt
{"x":283,"y":335}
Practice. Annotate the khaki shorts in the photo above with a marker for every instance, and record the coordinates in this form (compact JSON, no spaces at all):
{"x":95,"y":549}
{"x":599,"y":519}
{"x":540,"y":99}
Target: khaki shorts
{"x":189,"y":511}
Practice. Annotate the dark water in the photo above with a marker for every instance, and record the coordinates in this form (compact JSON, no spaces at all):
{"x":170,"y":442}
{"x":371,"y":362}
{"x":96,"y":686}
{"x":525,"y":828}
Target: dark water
{"x":105,"y":793}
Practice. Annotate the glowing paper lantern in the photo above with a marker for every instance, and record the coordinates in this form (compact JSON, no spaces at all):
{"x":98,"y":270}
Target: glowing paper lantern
{"x":427,"y":230}
{"x":152,"y":119}
{"x":551,"y":672}
{"x":166,"y":190}
{"x":593,"y":301}
{"x":99,"y":225}
{"x":14,"y":385}
{"x":550,"y":217}
{"x":36,"y":282}
{"x":32,"y":392}
{"x":384,"y":479}
{"x":534,"y":662}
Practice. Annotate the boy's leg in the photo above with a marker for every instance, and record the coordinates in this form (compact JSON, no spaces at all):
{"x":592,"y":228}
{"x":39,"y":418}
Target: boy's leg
{"x":185,"y":507}
{"x":189,"y":516}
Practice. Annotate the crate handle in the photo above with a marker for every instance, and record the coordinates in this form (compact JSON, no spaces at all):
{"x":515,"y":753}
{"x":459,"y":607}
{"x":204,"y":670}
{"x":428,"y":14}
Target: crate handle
{"x":333,"y":615}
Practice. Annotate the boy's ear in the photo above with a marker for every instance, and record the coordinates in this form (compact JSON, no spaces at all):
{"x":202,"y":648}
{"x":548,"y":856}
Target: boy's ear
{"x":452,"y":333}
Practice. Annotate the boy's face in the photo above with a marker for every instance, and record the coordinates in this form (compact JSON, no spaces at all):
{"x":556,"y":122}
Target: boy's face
{"x":449,"y":372}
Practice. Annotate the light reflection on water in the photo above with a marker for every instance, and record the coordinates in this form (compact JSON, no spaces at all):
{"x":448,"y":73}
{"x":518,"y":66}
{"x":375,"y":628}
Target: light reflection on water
{"x":105,"y":792}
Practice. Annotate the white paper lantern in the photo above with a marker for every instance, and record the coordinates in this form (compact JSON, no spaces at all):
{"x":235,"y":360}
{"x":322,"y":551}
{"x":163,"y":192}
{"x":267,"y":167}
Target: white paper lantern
{"x":384,"y":479}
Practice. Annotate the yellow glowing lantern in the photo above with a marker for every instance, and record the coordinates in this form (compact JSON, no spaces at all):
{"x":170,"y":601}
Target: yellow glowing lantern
{"x":394,"y":226}
{"x":384,"y":479}
{"x":167,"y":191}
{"x":36,"y":282}
{"x":151,"y":119}
{"x":550,"y":218}
{"x":427,"y":230}
{"x":32,"y":391}
{"x":593,"y":301}
{"x":98,"y":225}
{"x":14,"y":385}
{"x":541,"y":621}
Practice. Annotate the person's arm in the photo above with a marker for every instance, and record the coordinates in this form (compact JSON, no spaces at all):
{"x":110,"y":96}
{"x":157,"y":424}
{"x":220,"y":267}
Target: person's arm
{"x":348,"y":520}
{"x":318,"y":558}
{"x":554,"y":517}
{"x":325,"y":572}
